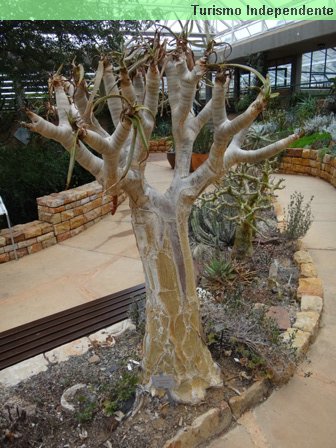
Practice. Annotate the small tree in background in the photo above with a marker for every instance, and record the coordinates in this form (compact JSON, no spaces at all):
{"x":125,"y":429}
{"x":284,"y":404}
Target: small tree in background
{"x":173,"y":344}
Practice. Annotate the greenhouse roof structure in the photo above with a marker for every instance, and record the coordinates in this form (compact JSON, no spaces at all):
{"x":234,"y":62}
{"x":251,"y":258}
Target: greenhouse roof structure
{"x":229,"y":31}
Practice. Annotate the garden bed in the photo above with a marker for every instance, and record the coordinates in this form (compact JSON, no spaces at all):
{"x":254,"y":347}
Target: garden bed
{"x":32,"y":415}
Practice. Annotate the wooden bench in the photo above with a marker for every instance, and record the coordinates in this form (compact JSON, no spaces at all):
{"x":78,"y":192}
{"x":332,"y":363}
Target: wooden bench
{"x":39,"y":336}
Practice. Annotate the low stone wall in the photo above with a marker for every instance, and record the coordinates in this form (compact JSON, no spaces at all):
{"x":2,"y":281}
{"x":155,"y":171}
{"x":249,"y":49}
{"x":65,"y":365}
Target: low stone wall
{"x":162,"y":145}
{"x":306,"y":161}
{"x":61,"y":216}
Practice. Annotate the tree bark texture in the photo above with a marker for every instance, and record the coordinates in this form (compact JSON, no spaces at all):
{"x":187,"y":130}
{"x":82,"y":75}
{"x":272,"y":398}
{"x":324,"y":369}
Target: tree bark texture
{"x":173,"y":343}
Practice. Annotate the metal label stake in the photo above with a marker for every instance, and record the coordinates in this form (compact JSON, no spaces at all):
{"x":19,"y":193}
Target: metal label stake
{"x":3,"y":211}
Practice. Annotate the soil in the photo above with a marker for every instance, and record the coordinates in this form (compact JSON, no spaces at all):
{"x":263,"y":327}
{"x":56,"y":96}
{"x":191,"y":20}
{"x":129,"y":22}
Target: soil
{"x":31,"y":414}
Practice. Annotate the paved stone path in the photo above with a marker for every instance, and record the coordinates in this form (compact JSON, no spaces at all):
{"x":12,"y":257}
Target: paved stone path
{"x":302,"y":414}
{"x":99,"y":261}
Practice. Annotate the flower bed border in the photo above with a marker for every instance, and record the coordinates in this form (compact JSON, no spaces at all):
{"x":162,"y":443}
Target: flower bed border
{"x":306,"y":161}
{"x":218,"y":421}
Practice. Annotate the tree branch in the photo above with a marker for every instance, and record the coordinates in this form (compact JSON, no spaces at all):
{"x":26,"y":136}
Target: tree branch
{"x":107,"y":145}
{"x":126,"y":86}
{"x":64,"y":135}
{"x":152,"y":91}
{"x":244,"y":120}
{"x":173,"y":85}
{"x":139,"y":87}
{"x":204,"y":116}
{"x":234,"y":154}
{"x":219,"y":93}
{"x":111,"y":88}
{"x":188,"y":83}
{"x":62,"y":101}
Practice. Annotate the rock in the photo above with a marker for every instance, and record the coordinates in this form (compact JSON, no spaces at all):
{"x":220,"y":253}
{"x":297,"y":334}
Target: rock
{"x":82,"y":433}
{"x":253,"y":395}
{"x":307,"y":321}
{"x":280,"y":315}
{"x":108,"y":444}
{"x":311,"y":303}
{"x":300,"y":339}
{"x":308,"y":270}
{"x":106,"y":336}
{"x":300,"y":245}
{"x":302,"y":256}
{"x":310,"y":287}
{"x":23,"y":370}
{"x":259,"y":305}
{"x":68,"y":395}
{"x":203,"y":428}
{"x":119,"y":416}
{"x":63,"y":353}
{"x":94,"y":359}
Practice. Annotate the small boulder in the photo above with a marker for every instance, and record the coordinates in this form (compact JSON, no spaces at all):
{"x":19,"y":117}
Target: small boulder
{"x":280,"y":315}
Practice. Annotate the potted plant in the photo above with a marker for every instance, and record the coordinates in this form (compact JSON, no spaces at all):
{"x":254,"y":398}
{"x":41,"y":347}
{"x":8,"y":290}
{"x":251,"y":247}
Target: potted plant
{"x":161,"y":138}
{"x":171,"y":156}
{"x":201,"y":147}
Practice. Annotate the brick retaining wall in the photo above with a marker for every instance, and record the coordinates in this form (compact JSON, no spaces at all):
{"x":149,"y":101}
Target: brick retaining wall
{"x":306,"y":161}
{"x":161,"y":145}
{"x":61,"y":216}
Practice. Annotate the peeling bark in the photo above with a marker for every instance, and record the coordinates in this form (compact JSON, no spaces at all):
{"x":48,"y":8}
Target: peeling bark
{"x":173,"y":344}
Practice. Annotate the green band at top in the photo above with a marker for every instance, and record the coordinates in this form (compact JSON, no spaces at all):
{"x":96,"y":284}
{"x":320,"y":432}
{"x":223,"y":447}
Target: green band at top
{"x":170,"y":10}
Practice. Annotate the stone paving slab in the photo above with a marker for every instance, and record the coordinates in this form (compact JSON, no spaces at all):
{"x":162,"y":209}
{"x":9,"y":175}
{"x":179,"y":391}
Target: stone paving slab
{"x":101,"y":260}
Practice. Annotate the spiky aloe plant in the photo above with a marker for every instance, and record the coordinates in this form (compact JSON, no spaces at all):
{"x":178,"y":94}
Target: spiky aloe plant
{"x":209,"y":224}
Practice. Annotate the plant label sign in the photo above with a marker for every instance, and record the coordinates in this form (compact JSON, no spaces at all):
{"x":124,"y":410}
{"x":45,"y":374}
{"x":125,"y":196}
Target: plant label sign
{"x":3,"y":210}
{"x":163,"y":381}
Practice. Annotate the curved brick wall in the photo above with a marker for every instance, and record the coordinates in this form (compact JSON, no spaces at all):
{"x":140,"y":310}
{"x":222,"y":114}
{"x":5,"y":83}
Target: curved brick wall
{"x":61,"y":216}
{"x":306,"y":161}
{"x":161,"y":145}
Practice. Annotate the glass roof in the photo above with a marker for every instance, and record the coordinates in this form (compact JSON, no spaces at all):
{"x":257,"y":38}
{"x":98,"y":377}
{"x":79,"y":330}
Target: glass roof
{"x":229,"y":31}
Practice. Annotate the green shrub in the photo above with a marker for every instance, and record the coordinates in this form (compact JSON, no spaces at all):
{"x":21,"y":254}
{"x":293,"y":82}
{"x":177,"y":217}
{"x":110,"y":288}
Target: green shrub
{"x":247,"y":334}
{"x":137,"y":314}
{"x":298,"y":217}
{"x":123,"y":390}
{"x":327,"y":150}
{"x":313,"y":141}
{"x":162,"y":129}
{"x":306,"y":108}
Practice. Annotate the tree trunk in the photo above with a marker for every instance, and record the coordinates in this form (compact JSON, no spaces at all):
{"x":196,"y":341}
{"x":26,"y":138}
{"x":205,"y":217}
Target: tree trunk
{"x":173,"y":343}
{"x":243,"y":247}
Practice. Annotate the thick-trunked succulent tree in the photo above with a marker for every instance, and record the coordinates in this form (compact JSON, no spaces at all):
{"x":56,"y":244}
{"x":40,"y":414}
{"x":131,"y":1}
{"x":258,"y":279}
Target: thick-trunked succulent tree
{"x":173,"y":343}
